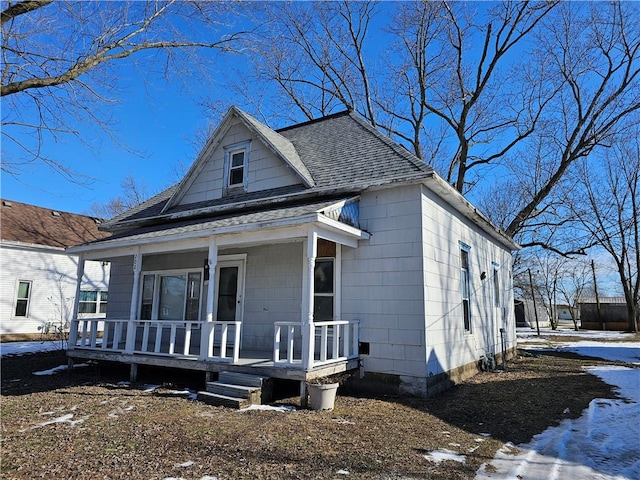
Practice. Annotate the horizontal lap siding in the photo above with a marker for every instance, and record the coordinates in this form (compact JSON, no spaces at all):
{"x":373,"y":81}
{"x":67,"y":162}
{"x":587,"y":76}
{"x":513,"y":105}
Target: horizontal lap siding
{"x":449,"y":346}
{"x":53,"y":287}
{"x":382,"y":282}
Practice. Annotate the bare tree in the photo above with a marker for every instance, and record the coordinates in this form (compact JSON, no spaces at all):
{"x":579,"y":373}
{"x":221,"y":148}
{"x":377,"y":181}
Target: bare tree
{"x":575,"y":281}
{"x":58,"y":62}
{"x":608,"y":208}
{"x":591,"y":53}
{"x":133,"y":194}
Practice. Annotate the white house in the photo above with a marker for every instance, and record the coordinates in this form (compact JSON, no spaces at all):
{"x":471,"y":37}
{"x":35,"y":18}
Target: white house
{"x":38,"y":279}
{"x":303,"y":252}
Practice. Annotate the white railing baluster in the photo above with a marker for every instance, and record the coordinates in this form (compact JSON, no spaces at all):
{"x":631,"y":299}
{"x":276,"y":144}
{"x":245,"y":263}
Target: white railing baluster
{"x":158,"y":344}
{"x":223,"y":340}
{"x":324,"y":330}
{"x":336,"y":340}
{"x":187,"y":339}
{"x":172,"y":339}
{"x":276,"y":343}
{"x":290,"y":338}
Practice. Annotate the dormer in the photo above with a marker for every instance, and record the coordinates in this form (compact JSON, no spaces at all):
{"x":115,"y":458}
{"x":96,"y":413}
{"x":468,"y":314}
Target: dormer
{"x":243,"y":156}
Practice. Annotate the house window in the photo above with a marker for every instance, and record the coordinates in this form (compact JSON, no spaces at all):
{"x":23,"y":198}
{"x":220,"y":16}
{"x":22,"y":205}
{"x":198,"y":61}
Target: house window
{"x":496,"y":285}
{"x":24,"y":296}
{"x":464,"y":276}
{"x":236,"y":168}
{"x":171,"y":296}
{"x":323,"y":290}
{"x":236,"y":161}
{"x":92,"y":301}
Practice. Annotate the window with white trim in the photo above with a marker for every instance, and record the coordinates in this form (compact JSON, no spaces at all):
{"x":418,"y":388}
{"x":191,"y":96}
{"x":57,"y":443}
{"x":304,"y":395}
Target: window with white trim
{"x":92,"y":301}
{"x":465,"y":286}
{"x":323,"y":290}
{"x":23,"y":298}
{"x":171,"y":296}
{"x":236,"y":161}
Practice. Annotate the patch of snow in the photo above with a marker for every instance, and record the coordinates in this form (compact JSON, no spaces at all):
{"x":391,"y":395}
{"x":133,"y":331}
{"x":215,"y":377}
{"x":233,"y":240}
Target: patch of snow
{"x":272,"y":408}
{"x":59,"y":368}
{"x":66,"y":418}
{"x":190,"y":394}
{"x":342,"y":472}
{"x":186,"y":464}
{"x":150,"y":388}
{"x":444,"y":454}
{"x":601,"y":444}
{"x":122,"y":383}
{"x":21,"y":348}
{"x":569,"y":332}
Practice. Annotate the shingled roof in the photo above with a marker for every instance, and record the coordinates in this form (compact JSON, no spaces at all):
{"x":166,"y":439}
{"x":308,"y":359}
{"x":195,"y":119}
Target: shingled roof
{"x":342,"y":154}
{"x":29,"y":224}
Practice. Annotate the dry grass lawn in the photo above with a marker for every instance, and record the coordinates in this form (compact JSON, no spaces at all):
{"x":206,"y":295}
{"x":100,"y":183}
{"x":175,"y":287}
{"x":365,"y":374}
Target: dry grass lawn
{"x":107,"y":430}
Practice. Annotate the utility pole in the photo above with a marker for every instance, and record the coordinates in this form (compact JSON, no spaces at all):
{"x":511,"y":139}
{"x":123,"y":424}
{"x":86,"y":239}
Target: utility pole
{"x":595,"y":287}
{"x":533,"y":295}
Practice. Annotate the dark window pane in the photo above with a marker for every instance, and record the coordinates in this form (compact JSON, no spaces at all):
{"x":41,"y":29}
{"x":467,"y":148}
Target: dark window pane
{"x":103,"y":307}
{"x":104,"y":296}
{"x":322,"y":309}
{"x":87,"y":307}
{"x":323,"y":276}
{"x":227,"y":294}
{"x":21,"y":308}
{"x":237,"y":159}
{"x":236,"y":176}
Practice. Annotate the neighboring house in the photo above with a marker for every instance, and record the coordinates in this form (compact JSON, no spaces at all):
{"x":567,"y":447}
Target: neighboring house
{"x":612,"y":314}
{"x":303,"y":252}
{"x":38,"y":279}
{"x":526,"y":312}
{"x":564,"y":313}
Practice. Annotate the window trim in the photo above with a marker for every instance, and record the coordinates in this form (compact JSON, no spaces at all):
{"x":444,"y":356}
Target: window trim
{"x":155,"y":302}
{"x":334,"y":288}
{"x":465,"y":276}
{"x":497,"y":296}
{"x":27,"y":309}
{"x":229,"y":151}
{"x":98,"y":302}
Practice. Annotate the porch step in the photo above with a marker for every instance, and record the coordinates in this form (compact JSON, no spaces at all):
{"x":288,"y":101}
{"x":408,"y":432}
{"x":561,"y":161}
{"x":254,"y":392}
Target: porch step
{"x":218,"y":400}
{"x":237,"y":390}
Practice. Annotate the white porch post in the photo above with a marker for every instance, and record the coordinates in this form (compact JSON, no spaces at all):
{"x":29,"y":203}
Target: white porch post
{"x":308,"y":329}
{"x":75,"y":324}
{"x":206,"y":340}
{"x":133,"y":312}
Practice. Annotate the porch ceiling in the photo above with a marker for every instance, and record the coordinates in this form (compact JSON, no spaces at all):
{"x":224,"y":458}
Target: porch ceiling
{"x":280,"y":224}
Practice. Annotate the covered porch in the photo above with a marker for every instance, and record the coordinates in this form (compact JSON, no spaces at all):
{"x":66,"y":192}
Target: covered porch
{"x":262,"y":298}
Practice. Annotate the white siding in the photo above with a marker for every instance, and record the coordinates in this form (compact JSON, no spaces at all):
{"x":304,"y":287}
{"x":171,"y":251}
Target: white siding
{"x":266,"y":170}
{"x":449,"y":345}
{"x":53,"y":285}
{"x":404,"y":286}
{"x":382,"y":282}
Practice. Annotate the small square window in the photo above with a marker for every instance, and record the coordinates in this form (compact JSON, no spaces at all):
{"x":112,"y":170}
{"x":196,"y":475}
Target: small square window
{"x":236,"y":168}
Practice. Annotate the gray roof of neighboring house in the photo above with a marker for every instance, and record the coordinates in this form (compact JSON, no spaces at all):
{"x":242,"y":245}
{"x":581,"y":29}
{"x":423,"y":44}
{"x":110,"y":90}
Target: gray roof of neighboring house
{"x":342,"y":154}
{"x":603,"y":300}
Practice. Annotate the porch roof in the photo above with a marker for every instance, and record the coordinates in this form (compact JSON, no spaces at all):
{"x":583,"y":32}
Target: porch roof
{"x":322,"y":213}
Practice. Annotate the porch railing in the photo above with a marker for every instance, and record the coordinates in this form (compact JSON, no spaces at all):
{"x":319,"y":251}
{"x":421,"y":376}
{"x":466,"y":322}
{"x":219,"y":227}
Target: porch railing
{"x":221,"y":340}
{"x":332,"y":341}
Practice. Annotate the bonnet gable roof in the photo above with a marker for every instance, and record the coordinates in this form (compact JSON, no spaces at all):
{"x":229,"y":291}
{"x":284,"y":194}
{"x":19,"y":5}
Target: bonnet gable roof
{"x":276,"y":143}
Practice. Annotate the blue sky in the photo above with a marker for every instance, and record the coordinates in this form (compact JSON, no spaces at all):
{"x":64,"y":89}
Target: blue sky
{"x":152,"y":131}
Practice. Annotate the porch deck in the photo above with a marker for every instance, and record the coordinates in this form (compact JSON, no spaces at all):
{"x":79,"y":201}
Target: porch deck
{"x":215,"y":346}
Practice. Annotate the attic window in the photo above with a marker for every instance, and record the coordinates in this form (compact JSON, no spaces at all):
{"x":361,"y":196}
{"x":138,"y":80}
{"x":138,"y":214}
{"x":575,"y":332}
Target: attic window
{"x":55,"y":213}
{"x":236,"y":162}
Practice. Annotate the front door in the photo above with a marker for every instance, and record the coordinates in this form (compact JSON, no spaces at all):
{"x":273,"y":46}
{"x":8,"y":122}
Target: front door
{"x":230,"y":291}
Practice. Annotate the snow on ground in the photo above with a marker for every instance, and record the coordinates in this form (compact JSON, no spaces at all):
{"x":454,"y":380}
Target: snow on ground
{"x":603,"y":444}
{"x":612,"y":349}
{"x":20,"y":348}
